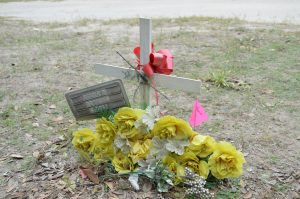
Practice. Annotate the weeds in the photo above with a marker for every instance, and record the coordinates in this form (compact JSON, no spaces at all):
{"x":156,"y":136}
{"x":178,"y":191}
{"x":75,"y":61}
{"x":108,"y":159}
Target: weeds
{"x":266,"y":56}
{"x":220,"y":79}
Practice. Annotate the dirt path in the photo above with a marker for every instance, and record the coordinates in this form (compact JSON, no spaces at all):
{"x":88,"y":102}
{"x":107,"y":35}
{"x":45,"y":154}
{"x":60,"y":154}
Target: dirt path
{"x":255,"y":10}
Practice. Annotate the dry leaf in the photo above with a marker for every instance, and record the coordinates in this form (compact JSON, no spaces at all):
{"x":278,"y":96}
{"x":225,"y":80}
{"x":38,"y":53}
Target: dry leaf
{"x":12,"y":184}
{"x":27,"y":135}
{"x":16,"y":156}
{"x":110,"y":185}
{"x":54,"y":177}
{"x":2,"y":159}
{"x":248,"y":195}
{"x":267,"y":91}
{"x":269,"y":104}
{"x":59,"y":119}
{"x":36,"y":154}
{"x":81,"y":173}
{"x":113,"y":196}
{"x":90,"y":174}
{"x":44,"y":195}
{"x":147,"y":187}
{"x":53,"y":106}
{"x":35,"y":124}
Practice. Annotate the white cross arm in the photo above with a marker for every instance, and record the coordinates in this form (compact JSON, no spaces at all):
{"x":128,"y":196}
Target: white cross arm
{"x":167,"y":81}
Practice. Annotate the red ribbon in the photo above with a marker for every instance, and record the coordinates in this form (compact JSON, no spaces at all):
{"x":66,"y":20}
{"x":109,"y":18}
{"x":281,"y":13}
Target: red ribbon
{"x":160,"y":62}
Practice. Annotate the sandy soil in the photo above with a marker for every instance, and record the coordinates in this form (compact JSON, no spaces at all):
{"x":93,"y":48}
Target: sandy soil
{"x":39,"y":62}
{"x":254,"y":10}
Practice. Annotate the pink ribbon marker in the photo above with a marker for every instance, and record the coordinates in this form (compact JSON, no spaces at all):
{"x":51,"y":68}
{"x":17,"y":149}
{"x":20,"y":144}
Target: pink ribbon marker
{"x":198,"y":115}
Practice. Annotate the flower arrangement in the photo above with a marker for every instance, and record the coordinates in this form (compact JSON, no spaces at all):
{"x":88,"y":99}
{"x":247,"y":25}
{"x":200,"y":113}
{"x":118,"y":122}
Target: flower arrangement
{"x":139,"y":141}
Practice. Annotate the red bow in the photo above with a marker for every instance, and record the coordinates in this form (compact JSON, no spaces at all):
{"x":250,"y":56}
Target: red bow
{"x":160,"y":61}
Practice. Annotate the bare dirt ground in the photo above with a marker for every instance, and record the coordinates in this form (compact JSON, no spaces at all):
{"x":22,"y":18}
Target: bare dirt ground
{"x":257,"y":110}
{"x":69,"y":10}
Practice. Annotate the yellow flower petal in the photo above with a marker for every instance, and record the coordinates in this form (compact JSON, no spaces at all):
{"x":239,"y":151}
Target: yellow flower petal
{"x":203,"y":169}
{"x":106,"y":131}
{"x":140,"y":150}
{"x":84,"y":139}
{"x":226,"y":161}
{"x":125,"y":119}
{"x":189,"y":159}
{"x":122,"y":163}
{"x":175,"y":168}
{"x":202,"y":145}
{"x":171,"y":127}
{"x":103,"y":152}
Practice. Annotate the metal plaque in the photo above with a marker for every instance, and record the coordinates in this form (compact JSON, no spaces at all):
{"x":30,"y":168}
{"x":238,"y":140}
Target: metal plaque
{"x":88,"y":102}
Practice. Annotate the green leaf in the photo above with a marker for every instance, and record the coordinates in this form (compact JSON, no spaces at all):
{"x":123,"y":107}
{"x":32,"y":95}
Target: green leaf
{"x":122,"y":143}
{"x":104,"y":112}
{"x":158,"y":149}
{"x":162,"y":186}
{"x":176,"y":146}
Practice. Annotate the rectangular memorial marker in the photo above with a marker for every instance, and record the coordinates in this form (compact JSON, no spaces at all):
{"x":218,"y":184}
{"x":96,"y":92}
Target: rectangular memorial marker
{"x":88,"y":102}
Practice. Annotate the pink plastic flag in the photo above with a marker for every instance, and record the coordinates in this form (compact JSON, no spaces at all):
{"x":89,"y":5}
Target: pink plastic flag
{"x":198,"y":115}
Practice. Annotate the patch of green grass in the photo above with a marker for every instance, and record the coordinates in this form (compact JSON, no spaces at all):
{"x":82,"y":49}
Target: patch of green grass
{"x":29,"y":37}
{"x":44,"y":134}
{"x":27,"y":164}
{"x":266,"y":175}
{"x":231,"y":192}
{"x":121,"y":41}
{"x":196,"y":20}
{"x":220,"y":79}
{"x":85,"y":21}
{"x":67,"y":44}
{"x":227,"y":195}
{"x":56,"y":24}
{"x":282,"y":187}
{"x":273,"y":159}
{"x":2,"y":95}
{"x":130,"y":22}
{"x":14,"y":140}
{"x":2,"y":180}
{"x":7,"y":116}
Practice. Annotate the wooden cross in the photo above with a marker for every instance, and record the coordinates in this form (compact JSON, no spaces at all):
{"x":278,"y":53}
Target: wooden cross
{"x":168,"y":81}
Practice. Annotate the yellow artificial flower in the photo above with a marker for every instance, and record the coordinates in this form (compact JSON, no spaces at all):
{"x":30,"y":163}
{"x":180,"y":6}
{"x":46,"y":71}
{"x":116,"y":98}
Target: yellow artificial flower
{"x":189,"y":159}
{"x":125,"y":119}
{"x":140,"y":150}
{"x":175,"y":168}
{"x":106,"y":131}
{"x":84,"y":139}
{"x":202,"y":145}
{"x":172,"y":127}
{"x":103,"y":152}
{"x":226,"y":161}
{"x":122,"y":163}
{"x":203,"y":169}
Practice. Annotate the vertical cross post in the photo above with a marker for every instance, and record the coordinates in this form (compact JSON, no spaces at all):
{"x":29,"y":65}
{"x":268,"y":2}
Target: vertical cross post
{"x":145,"y":50}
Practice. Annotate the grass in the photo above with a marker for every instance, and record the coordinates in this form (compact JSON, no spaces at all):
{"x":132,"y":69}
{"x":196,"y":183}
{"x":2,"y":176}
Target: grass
{"x":229,"y":53}
{"x":220,"y":79}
